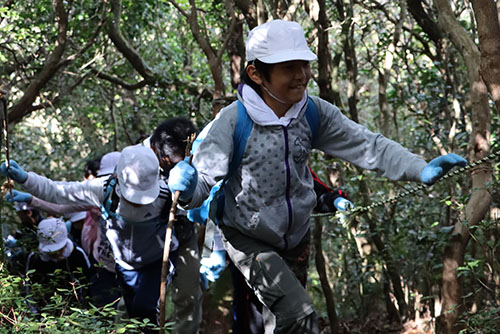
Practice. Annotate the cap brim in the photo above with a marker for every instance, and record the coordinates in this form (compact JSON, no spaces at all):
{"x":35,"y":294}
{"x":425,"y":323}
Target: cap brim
{"x":288,"y":56}
{"x":52,"y":247}
{"x":105,"y":171}
{"x":137,"y":196}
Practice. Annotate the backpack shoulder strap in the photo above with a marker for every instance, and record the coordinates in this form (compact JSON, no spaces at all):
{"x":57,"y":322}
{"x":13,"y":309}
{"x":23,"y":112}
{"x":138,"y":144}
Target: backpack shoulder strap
{"x":312,"y":117}
{"x":242,"y":131}
{"x":108,"y":207}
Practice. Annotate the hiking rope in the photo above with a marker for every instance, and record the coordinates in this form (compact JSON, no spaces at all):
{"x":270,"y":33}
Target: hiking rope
{"x":347,"y":216}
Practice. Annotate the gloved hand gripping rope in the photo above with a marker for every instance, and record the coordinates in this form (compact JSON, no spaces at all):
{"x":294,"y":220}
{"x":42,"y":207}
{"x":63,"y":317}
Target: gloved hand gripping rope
{"x":435,"y":171}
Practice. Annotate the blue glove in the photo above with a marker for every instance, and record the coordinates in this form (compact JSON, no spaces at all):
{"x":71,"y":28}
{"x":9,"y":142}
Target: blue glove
{"x":440,"y":166}
{"x":15,"y":172}
{"x":343,"y":204}
{"x":212,"y":267}
{"x":18,"y":196}
{"x":183,"y":177}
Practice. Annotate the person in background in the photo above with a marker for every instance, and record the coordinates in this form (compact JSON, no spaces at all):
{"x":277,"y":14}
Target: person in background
{"x":168,"y":142}
{"x":135,"y":202}
{"x":22,"y":240}
{"x":91,"y":168}
{"x":59,"y":264}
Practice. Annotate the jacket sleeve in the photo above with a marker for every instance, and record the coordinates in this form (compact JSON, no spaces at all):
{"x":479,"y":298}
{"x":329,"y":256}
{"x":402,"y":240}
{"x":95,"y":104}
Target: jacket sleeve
{"x":214,"y":153}
{"x":350,"y":141}
{"x":57,"y":209}
{"x":83,"y":193}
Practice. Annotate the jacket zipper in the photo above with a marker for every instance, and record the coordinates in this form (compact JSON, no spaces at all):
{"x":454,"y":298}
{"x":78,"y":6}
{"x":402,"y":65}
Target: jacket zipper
{"x":287,"y":189}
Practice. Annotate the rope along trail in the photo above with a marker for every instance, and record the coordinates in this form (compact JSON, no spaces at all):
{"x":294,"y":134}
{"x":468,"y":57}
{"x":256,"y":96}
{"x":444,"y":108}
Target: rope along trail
{"x":394,"y":199}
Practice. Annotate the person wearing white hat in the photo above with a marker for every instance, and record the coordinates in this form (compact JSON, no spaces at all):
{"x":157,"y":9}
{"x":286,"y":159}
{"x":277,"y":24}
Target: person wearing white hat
{"x":136,"y":202}
{"x":269,"y":198}
{"x":58,"y":264}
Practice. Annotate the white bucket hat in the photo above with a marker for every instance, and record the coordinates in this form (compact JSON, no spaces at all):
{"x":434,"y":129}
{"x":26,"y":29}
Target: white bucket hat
{"x":278,"y":41}
{"x":108,"y":163}
{"x":52,"y":235}
{"x":138,"y":175}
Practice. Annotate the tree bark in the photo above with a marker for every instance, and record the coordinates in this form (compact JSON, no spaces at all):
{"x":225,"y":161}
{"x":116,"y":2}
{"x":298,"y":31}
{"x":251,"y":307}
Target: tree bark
{"x":480,"y":199}
{"x":214,"y":57}
{"x":351,"y":63}
{"x":319,"y":259}
{"x":388,"y":123}
{"x":489,"y":42}
{"x":324,"y":79}
{"x":24,"y":105}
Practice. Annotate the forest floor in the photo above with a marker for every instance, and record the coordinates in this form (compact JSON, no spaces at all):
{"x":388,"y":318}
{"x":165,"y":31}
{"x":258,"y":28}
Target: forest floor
{"x":381,"y":326}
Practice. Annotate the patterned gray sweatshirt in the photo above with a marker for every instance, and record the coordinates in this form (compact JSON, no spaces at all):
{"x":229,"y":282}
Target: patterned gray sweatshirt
{"x":271,"y":195}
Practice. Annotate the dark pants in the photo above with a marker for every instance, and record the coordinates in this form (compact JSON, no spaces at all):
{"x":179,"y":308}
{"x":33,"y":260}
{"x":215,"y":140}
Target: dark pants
{"x":103,"y":287}
{"x":247,"y":309}
{"x":141,"y":289}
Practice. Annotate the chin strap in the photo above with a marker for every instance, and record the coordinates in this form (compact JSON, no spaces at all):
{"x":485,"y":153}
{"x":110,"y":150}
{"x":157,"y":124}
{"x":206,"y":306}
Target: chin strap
{"x":272,"y":95}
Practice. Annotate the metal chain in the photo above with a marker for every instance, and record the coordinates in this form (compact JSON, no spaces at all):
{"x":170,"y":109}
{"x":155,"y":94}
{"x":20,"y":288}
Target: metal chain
{"x":411,"y":191}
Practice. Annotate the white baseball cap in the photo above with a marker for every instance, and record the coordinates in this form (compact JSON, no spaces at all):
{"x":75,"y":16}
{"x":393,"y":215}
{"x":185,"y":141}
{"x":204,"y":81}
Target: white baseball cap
{"x":52,"y":235}
{"x":278,"y":41}
{"x":138,"y":174}
{"x":108,"y":163}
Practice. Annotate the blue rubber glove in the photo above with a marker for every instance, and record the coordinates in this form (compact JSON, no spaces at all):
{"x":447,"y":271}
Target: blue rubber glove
{"x":18,"y":196}
{"x":15,"y":172}
{"x":183,"y":177}
{"x":212,"y":267}
{"x":440,"y":166}
{"x":343,"y":204}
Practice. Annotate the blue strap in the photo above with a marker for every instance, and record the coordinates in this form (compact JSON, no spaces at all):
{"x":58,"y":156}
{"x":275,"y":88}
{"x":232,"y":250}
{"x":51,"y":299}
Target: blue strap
{"x":312,"y":117}
{"x":244,"y":125}
{"x":242,"y":131}
{"x":106,"y":212}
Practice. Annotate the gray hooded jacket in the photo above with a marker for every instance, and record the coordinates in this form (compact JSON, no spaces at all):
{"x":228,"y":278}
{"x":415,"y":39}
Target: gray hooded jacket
{"x":134,"y":244}
{"x":271,"y":195}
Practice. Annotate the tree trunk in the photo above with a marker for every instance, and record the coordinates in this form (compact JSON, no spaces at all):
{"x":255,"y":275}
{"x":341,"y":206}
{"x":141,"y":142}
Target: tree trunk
{"x":25,"y":104}
{"x":388,"y":124}
{"x":322,"y":24}
{"x":352,"y":66}
{"x":323,"y":277}
{"x":480,"y":199}
{"x":489,"y":42}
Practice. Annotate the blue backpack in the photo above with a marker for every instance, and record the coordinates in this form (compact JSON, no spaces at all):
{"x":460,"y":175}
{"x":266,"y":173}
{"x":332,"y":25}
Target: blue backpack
{"x":244,"y":126}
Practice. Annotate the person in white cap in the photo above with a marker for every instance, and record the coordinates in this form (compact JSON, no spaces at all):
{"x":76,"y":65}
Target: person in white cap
{"x":136,"y":202}
{"x":269,"y":198}
{"x":103,"y":287}
{"x":57,"y":253}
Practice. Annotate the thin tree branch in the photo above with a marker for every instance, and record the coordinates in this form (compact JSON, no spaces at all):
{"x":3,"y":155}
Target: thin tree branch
{"x":89,"y":43}
{"x":119,"y":81}
{"x":23,"y":106}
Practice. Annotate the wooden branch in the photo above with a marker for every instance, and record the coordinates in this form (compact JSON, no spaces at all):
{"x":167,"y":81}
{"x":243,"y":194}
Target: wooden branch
{"x":182,"y":11}
{"x":118,"y":81}
{"x":59,"y":96}
{"x":124,"y":47}
{"x":168,"y":239}
{"x":229,"y":32}
{"x":50,"y":67}
{"x":203,"y":41}
{"x":89,"y":43}
{"x":489,"y":40}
